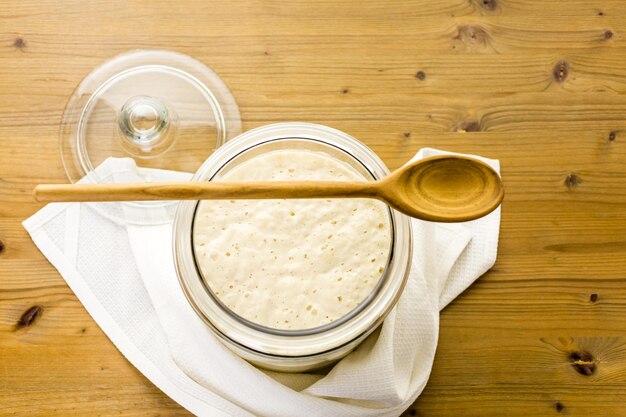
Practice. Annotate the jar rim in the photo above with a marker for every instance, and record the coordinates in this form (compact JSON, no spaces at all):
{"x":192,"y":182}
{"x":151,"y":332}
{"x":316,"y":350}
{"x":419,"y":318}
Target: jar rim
{"x":303,"y":342}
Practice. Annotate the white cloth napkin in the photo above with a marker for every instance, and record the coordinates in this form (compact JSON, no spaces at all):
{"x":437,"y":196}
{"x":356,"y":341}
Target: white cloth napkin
{"x":123,"y":273}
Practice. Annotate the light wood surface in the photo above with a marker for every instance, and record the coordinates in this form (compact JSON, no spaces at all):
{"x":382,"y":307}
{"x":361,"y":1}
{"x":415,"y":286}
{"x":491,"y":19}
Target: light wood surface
{"x":441,"y":188}
{"x":539,"y":85}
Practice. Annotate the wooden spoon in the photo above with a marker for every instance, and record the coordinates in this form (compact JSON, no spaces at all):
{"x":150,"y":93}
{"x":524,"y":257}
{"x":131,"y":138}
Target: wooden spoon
{"x":442,"y":188}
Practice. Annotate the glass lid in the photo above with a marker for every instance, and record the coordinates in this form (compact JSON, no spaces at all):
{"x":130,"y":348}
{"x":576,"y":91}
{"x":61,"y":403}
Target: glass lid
{"x":162,"y":109}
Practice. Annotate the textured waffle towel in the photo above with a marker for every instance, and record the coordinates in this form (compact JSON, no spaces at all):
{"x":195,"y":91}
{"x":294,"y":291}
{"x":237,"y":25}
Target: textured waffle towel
{"x":123,"y":273}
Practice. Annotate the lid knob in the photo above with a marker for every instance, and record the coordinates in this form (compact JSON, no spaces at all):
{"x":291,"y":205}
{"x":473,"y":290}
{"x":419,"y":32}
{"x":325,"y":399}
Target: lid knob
{"x":146,"y":124}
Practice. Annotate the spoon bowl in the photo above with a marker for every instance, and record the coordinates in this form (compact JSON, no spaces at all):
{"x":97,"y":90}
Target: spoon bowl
{"x":444,"y":188}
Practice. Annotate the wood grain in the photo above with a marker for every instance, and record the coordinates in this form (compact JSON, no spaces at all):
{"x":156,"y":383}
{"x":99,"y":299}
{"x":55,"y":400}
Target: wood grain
{"x":539,"y":85}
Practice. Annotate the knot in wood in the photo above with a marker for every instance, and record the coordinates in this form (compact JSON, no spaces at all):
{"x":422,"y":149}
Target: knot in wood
{"x":572,"y":181}
{"x":488,"y":4}
{"x":19,"y":43}
{"x":468,"y":126}
{"x":583,"y":362}
{"x":472,"y":36}
{"x":560,"y":71}
{"x":29,"y":317}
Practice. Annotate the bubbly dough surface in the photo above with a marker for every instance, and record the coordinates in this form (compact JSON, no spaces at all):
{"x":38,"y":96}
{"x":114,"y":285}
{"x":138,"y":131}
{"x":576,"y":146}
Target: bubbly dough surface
{"x":292,"y":264}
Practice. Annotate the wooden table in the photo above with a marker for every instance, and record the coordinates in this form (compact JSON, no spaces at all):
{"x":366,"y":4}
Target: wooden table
{"x":537,"y":84}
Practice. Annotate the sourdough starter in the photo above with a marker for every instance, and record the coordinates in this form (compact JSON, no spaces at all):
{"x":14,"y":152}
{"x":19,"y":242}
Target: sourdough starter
{"x":292,"y":264}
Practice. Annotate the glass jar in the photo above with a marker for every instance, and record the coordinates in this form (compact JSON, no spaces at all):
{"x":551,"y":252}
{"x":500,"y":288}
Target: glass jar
{"x":292,"y":350}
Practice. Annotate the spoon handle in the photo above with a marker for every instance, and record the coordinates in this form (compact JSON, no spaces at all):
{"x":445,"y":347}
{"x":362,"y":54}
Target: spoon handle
{"x":213,"y":190}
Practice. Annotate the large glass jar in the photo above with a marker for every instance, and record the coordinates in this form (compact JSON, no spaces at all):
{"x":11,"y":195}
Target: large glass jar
{"x":292,"y":350}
